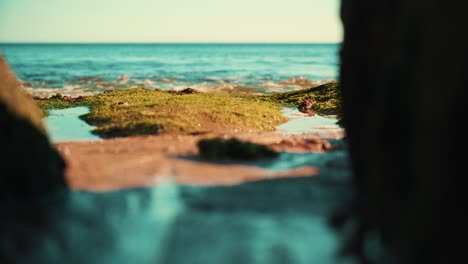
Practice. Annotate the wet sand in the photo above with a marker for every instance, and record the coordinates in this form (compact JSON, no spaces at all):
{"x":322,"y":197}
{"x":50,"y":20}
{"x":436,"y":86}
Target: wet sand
{"x":140,"y":161}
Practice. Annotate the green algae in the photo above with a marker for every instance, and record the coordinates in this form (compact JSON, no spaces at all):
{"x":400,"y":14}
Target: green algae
{"x":139,"y":111}
{"x":57,"y":101}
{"x":327,"y":96}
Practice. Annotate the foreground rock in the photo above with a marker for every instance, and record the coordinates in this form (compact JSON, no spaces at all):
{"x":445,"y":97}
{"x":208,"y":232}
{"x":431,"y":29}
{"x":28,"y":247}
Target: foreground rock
{"x":402,"y":117}
{"x":30,"y":167}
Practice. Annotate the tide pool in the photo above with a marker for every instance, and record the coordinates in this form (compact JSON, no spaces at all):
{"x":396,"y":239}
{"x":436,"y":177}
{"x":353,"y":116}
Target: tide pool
{"x":299,"y":123}
{"x":65,"y":125}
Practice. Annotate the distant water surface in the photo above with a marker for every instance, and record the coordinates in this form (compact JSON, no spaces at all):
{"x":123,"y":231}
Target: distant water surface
{"x":80,"y":69}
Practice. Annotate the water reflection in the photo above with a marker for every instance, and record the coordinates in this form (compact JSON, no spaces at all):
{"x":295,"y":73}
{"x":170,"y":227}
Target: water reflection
{"x":299,"y":123}
{"x":65,"y":125}
{"x":280,"y":221}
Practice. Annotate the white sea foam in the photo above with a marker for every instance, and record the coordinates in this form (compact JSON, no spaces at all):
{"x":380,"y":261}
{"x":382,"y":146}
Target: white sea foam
{"x":232,"y":84}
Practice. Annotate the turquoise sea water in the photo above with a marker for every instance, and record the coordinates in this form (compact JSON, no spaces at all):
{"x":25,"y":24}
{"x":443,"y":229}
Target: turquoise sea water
{"x":65,"y":125}
{"x":89,"y":68}
{"x":298,"y":123}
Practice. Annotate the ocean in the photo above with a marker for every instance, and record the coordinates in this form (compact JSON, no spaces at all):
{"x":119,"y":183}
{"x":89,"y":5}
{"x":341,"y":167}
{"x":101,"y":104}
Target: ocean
{"x":84,"y":69}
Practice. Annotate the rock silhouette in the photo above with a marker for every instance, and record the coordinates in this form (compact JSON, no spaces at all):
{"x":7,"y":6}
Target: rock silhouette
{"x":403,"y":83}
{"x":30,"y":167}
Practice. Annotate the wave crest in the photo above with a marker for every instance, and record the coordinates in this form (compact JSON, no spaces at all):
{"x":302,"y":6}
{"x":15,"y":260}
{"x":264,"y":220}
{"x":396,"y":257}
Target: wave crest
{"x":90,"y":85}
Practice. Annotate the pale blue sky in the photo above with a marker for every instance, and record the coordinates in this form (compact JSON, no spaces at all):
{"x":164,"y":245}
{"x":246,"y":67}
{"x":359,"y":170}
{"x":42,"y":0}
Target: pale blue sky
{"x":169,"y":21}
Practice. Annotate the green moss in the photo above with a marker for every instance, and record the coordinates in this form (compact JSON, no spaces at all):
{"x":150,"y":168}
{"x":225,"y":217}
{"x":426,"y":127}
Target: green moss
{"x":138,"y":111}
{"x":57,"y":101}
{"x":327,"y":96}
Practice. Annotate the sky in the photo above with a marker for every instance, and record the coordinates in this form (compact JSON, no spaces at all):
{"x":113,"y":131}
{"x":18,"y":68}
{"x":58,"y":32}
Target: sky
{"x":170,"y":21}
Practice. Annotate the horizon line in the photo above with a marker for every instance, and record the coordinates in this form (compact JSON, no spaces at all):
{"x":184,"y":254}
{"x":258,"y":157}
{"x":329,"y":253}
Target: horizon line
{"x":165,"y":42}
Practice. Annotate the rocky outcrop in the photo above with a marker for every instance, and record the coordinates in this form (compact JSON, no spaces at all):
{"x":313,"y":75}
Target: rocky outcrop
{"x":403,"y":78}
{"x":30,"y":167}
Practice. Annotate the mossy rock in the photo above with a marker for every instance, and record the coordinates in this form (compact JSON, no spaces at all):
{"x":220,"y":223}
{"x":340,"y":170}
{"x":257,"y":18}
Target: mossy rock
{"x":138,"y":111}
{"x":327,"y":96}
{"x":58,"y":101}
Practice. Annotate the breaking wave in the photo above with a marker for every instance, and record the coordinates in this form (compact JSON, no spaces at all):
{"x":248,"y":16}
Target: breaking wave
{"x":92,"y":68}
{"x":93,"y":85}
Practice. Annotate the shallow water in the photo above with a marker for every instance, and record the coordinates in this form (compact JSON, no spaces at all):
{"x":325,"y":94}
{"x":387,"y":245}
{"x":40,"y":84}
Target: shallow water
{"x":280,"y":221}
{"x":65,"y":125}
{"x":300,"y":123}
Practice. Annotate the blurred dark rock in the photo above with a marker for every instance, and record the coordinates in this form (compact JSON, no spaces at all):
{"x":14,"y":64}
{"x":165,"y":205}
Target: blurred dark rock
{"x":403,"y":77}
{"x":30,"y":167}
